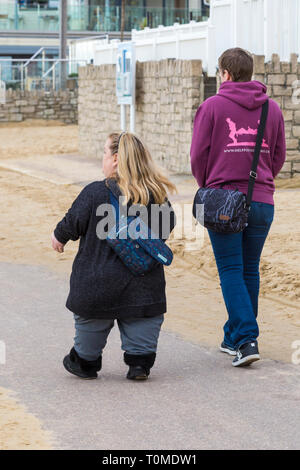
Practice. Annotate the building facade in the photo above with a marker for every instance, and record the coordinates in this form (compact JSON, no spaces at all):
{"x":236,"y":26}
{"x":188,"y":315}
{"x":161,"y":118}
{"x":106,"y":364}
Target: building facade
{"x":30,"y":29}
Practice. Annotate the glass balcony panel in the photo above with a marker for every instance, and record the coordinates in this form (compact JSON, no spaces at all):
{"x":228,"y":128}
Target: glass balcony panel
{"x":102,"y":18}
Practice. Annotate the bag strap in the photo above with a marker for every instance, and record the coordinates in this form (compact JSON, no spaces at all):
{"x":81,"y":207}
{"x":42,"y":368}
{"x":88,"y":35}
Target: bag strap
{"x":259,"y":139}
{"x":114,"y":201}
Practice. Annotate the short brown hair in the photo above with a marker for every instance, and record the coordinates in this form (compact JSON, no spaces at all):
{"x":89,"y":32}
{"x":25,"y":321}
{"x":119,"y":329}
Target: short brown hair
{"x":238,"y":63}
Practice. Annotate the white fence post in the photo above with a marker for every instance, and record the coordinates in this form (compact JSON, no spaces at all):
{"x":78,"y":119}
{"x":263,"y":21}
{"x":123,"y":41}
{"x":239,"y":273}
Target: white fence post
{"x":234,"y":24}
{"x":212,"y":60}
{"x":266,"y":28}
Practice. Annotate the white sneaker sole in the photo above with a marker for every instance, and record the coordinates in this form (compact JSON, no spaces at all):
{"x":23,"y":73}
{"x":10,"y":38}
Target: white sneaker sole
{"x":246,"y":360}
{"x":228,"y":351}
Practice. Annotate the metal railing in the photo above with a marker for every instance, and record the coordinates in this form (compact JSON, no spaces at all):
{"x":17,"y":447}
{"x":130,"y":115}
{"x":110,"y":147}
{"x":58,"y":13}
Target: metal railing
{"x":14,"y":17}
{"x":38,"y":74}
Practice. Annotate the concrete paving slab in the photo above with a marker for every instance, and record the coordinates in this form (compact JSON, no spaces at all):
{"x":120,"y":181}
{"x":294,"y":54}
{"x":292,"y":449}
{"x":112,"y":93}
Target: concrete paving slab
{"x":59,"y":169}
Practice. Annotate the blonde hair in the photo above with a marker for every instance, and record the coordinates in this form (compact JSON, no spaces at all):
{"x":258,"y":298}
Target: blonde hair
{"x":137,"y":174}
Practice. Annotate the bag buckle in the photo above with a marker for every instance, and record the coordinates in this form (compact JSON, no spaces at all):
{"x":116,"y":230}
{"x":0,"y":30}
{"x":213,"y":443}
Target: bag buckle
{"x":246,"y":206}
{"x":253,"y":174}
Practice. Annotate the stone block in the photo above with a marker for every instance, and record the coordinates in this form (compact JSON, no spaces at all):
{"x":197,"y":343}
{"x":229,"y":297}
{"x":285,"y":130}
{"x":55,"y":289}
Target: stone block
{"x":260,"y":77}
{"x":289,"y":115}
{"x":294,"y":63}
{"x":291,"y":103}
{"x":195,"y":68}
{"x":291,"y":78}
{"x":21,"y":102}
{"x":259,"y":64}
{"x":288,"y":130}
{"x":27,"y":109}
{"x":15,"y":117}
{"x":285,"y":67}
{"x":268,"y":67}
{"x":296,"y":117}
{"x":275,"y":63}
{"x":279,"y":90}
{"x":275,"y":79}
{"x":269,"y":90}
{"x":292,"y":144}
{"x":296,"y":131}
{"x":14,"y":109}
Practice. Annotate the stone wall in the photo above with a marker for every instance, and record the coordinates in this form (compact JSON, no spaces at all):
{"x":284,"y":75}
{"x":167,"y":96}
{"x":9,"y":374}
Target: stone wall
{"x":168,"y":93}
{"x":58,"y":105}
{"x":98,"y":113}
{"x":281,"y":80}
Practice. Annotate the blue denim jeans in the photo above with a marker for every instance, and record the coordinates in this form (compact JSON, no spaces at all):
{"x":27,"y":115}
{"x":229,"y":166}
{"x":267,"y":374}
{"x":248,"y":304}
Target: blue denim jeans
{"x":138,"y":335}
{"x":237,"y":257}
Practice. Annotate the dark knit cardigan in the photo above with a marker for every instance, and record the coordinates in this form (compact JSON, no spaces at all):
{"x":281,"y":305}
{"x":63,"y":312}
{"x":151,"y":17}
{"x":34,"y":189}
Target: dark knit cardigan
{"x":101,"y":286}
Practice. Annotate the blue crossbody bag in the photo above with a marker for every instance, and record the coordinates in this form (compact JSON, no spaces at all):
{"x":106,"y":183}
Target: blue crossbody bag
{"x":140,"y":254}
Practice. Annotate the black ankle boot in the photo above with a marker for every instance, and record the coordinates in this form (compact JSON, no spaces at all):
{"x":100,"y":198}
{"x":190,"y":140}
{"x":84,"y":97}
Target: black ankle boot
{"x":74,"y":364}
{"x":139,"y":365}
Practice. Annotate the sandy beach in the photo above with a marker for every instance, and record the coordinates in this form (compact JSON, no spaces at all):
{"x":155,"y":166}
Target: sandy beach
{"x":18,"y":428}
{"x":32,"y":207}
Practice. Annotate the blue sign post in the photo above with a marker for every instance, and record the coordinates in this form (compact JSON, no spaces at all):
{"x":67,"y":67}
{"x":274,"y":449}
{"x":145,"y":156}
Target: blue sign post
{"x":125,"y":82}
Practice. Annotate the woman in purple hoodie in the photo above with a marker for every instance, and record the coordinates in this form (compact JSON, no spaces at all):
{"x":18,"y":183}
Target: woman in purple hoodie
{"x":224,"y":136}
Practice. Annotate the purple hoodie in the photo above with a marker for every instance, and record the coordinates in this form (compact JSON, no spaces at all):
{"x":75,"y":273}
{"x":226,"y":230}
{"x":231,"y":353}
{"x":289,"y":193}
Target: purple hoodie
{"x":225,"y":130}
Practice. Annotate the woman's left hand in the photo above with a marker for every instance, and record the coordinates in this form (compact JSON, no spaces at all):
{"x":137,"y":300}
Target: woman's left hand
{"x":56,"y":245}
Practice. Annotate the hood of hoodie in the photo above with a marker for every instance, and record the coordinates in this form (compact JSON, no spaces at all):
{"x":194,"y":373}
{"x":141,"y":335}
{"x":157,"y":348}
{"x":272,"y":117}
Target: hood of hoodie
{"x":250,"y":95}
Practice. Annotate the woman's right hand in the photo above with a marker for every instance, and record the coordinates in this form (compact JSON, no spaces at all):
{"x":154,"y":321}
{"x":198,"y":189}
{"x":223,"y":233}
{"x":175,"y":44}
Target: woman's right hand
{"x":56,"y":245}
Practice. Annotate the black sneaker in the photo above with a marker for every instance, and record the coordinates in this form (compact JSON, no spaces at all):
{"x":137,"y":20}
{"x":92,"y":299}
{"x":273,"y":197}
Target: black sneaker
{"x":227,"y":349}
{"x":137,"y":373}
{"x":246,"y":354}
{"x":78,"y":366}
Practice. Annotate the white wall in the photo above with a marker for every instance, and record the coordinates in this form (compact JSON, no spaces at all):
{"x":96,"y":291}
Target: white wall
{"x":263,"y":27}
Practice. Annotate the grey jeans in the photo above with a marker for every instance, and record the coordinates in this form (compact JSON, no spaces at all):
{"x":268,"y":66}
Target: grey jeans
{"x":138,"y":335}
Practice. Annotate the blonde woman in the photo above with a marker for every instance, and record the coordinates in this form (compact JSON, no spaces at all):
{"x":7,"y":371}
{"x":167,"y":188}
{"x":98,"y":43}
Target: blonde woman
{"x":102,"y":288}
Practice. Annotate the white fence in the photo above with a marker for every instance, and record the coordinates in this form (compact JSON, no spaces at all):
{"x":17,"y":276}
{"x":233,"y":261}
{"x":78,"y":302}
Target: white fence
{"x":188,"y":41}
{"x":263,"y":27}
